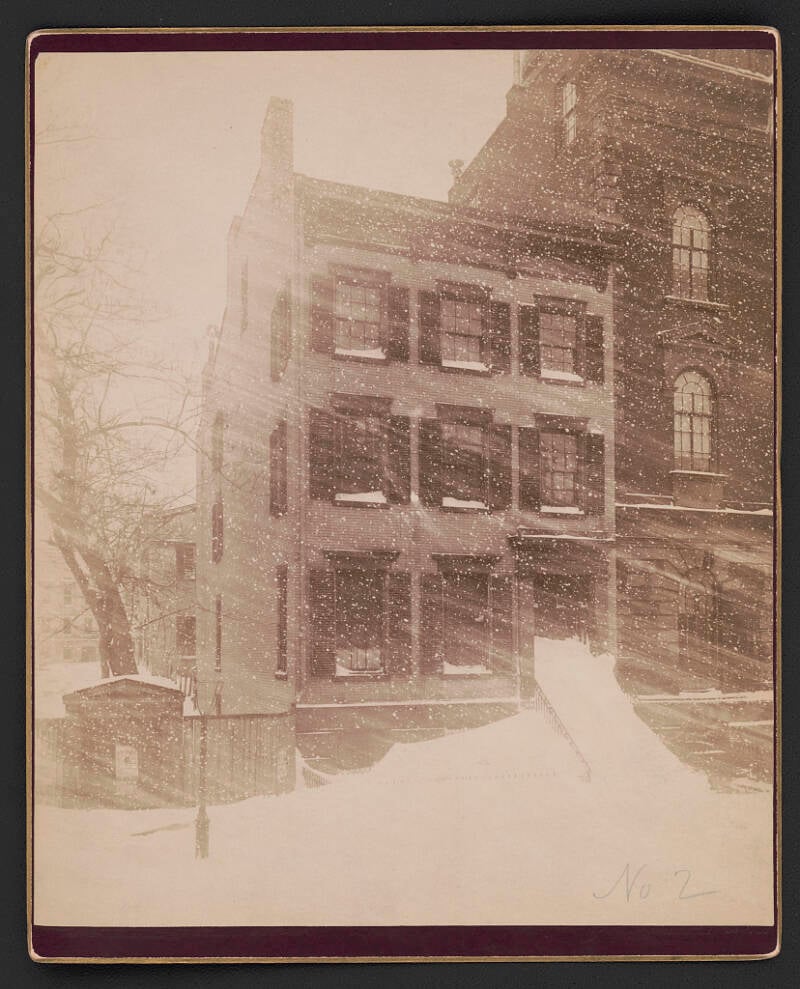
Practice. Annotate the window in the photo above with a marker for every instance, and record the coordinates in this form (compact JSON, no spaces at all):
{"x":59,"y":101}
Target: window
{"x":218,"y":634}
{"x":361,"y":456}
{"x":185,"y":561}
{"x":462,"y":333}
{"x":359,"y":622}
{"x":461,"y":327}
{"x":463,"y":475}
{"x":278,"y":469}
{"x":466,"y":624}
{"x":559,"y":470}
{"x":217,"y":531}
{"x":185,"y":636}
{"x":692,"y":422}
{"x":360,"y":617}
{"x":280,"y":334}
{"x":358,"y":453}
{"x":217,"y":442}
{"x":569,"y":116}
{"x":558,"y":341}
{"x":690,"y":249}
{"x":282,"y":581}
{"x":358,"y":324}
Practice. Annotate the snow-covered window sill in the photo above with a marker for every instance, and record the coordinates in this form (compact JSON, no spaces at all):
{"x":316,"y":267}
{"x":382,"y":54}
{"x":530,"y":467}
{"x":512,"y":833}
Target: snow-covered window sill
{"x":461,"y":504}
{"x":364,"y":499}
{"x":699,"y":303}
{"x":563,"y":377}
{"x":561,"y":510}
{"x":465,"y":671}
{"x":281,"y":675}
{"x":474,"y":367}
{"x":373,"y":356}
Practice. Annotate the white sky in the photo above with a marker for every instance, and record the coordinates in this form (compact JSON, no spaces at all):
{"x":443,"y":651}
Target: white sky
{"x":170,"y":141}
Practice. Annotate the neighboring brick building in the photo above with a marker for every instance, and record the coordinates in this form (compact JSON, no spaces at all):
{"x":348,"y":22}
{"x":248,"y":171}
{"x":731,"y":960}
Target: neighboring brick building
{"x":409,"y":418}
{"x":675,"y":150}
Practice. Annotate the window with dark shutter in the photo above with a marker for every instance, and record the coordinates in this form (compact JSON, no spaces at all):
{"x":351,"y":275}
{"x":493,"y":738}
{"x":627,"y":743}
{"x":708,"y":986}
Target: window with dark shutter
{"x":529,"y":468}
{"x":185,"y":636}
{"x":398,"y":304}
{"x":278,"y":470}
{"x":323,"y":623}
{"x":500,"y":336}
{"x":398,"y":461}
{"x":359,"y":318}
{"x":322,"y":293}
{"x":593,"y":350}
{"x":594,"y":474}
{"x":218,"y":633}
{"x":499,"y":464}
{"x":430,"y":462}
{"x":431,"y":632}
{"x":185,"y":561}
{"x":282,"y":587}
{"x":501,"y":607}
{"x":398,"y":622}
{"x":217,"y":531}
{"x":359,"y":648}
{"x":360,"y":459}
{"x":467,"y":624}
{"x":429,"y":335}
{"x":529,"y":361}
{"x":217,"y":442}
{"x":280,"y":334}
{"x":559,"y":456}
{"x":321,"y":454}
{"x":463,"y":475}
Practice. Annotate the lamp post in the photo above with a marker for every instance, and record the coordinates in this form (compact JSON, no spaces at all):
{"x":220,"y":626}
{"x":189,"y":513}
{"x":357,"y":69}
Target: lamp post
{"x":201,"y":826}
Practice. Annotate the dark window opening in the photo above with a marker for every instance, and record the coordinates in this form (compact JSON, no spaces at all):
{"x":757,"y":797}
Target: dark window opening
{"x":359,"y":632}
{"x":463,"y":465}
{"x":217,"y":531}
{"x":467,"y":635}
{"x":218,"y":634}
{"x":185,"y":636}
{"x":185,"y":561}
{"x":282,"y":579}
{"x":361,"y":451}
{"x":278,"y":473}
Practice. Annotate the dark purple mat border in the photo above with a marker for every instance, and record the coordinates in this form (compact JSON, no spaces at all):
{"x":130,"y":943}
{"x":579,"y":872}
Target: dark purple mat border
{"x":398,"y":942}
{"x":423,"y":943}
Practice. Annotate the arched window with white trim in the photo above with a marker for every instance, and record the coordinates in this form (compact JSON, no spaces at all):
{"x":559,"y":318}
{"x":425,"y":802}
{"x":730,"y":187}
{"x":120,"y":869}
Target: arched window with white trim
{"x":690,"y":251}
{"x":693,"y":420}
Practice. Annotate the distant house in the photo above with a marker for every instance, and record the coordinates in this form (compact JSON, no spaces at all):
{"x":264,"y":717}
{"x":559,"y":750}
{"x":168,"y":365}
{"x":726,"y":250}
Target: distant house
{"x":163,"y":606}
{"x":64,"y":628}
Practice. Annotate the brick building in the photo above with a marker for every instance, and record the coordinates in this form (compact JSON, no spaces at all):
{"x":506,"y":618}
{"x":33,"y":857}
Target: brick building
{"x":409,"y":417}
{"x":675,"y":150}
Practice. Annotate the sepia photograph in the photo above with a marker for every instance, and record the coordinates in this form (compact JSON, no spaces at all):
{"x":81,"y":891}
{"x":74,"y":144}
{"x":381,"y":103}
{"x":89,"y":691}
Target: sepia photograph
{"x":403,"y":445}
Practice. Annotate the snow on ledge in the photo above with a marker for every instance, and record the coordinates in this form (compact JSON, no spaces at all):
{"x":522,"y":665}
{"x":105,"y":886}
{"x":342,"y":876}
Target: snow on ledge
{"x":561,"y":510}
{"x":477,"y":669}
{"x":687,"y":508}
{"x":448,"y":502}
{"x":371,"y":353}
{"x":555,"y":375}
{"x":362,"y":497}
{"x":467,"y":365}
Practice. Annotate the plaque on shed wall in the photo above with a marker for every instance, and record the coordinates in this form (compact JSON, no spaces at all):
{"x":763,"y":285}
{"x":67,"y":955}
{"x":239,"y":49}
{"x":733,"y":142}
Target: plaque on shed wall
{"x":404,"y":475}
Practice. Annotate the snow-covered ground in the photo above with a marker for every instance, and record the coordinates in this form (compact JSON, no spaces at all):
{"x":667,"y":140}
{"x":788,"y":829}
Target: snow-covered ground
{"x":464,"y":829}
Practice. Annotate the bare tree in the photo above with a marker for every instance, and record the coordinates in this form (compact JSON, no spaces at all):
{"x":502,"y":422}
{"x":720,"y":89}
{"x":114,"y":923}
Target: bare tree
{"x":109,"y":417}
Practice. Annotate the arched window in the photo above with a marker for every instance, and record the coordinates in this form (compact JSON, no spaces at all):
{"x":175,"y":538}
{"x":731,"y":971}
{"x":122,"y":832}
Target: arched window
{"x":217,"y":440}
{"x":693,"y":412}
{"x":690,"y":246}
